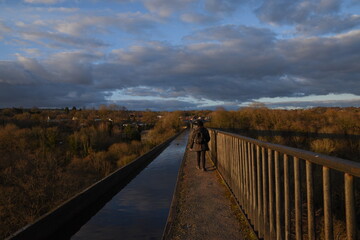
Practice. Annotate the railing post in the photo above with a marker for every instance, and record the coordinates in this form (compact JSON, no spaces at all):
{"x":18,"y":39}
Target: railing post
{"x":237,"y":169}
{"x":287,"y":198}
{"x":215,"y":157}
{"x":240,"y":170}
{"x":253,"y":186}
{"x":271,"y":195}
{"x":259,"y":193}
{"x":229,"y":161}
{"x":265,"y":196}
{"x":234,"y":167}
{"x":350,"y":207}
{"x":247,"y":183}
{"x":242,"y":181}
{"x":298,"y":211}
{"x":327,"y":204}
{"x":310,"y":201}
{"x":245,"y":176}
{"x":279,"y":209}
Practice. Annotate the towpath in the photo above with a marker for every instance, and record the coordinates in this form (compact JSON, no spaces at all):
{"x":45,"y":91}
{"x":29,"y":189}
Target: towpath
{"x":203,"y":208}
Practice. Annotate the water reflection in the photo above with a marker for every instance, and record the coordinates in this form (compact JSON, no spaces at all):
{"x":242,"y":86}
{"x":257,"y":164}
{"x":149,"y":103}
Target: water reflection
{"x":140,"y":210}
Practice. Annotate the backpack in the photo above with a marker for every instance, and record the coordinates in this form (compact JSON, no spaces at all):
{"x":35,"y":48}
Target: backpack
{"x":199,"y":138}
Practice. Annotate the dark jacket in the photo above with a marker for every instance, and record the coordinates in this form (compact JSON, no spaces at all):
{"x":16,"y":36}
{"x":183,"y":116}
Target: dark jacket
{"x":199,"y":147}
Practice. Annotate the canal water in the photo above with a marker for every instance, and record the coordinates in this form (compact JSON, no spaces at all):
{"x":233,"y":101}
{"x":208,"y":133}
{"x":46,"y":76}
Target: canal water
{"x":140,"y":210}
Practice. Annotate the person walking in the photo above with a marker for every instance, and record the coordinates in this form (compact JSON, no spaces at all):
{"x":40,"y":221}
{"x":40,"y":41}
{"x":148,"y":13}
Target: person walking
{"x":199,"y":142}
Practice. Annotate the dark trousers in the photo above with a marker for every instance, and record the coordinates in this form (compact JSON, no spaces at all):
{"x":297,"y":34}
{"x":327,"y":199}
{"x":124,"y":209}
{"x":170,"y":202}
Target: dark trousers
{"x":201,"y":155}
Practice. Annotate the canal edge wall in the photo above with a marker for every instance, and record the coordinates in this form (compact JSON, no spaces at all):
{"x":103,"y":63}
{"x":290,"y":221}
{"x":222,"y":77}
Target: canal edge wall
{"x":51,"y":223}
{"x":175,"y":199}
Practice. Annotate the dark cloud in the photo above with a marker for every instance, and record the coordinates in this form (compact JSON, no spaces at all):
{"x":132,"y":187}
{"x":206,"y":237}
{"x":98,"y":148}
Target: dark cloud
{"x":242,"y":33}
{"x":157,"y":105}
{"x":230,"y":64}
{"x":309,"y":16}
{"x":70,"y":67}
{"x":14,"y":73}
{"x":292,"y":12}
{"x":246,"y":63}
{"x":328,"y":24}
{"x":329,"y":64}
{"x":49,"y":95}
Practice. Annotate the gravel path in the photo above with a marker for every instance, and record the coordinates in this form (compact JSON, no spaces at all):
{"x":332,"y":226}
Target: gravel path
{"x":203,"y":208}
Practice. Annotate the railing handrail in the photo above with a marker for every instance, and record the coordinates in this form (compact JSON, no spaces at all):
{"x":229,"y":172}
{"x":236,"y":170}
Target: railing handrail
{"x":339,"y":164}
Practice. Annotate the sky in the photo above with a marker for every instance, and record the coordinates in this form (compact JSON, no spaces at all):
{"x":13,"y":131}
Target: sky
{"x":166,"y":55}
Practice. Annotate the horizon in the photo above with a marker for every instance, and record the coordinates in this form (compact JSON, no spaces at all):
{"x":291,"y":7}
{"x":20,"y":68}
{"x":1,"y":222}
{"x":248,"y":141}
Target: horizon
{"x":124,"y":108}
{"x":179,"y":55}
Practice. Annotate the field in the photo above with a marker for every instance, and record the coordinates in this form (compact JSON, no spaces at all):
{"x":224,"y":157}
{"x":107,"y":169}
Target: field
{"x":47,"y":156}
{"x":330,"y":131}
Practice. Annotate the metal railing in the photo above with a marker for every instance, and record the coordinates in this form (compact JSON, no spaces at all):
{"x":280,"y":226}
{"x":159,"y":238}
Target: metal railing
{"x":288,"y":193}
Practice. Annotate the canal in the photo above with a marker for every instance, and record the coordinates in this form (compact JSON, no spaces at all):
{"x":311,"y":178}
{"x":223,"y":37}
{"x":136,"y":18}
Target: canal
{"x":140,"y":209}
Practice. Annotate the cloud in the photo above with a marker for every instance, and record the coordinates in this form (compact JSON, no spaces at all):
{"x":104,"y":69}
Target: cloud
{"x":72,"y":67}
{"x":56,"y":9}
{"x":288,"y":12}
{"x":325,"y":64}
{"x":247,"y":63}
{"x":43,"y":33}
{"x":53,"y":39}
{"x":13,"y":73}
{"x":75,"y":31}
{"x":228,"y":64}
{"x":157,"y":105}
{"x":223,"y":6}
{"x":230,"y":32}
{"x":64,"y":79}
{"x":309,"y":17}
{"x":198,"y":18}
{"x":43,"y":1}
{"x":4,"y":28}
{"x":65,"y":67}
{"x":328,"y":24}
{"x":49,"y":95}
{"x":313,"y":99}
{"x":312,"y":103}
{"x":165,"y":8}
{"x":32,"y":51}
{"x":134,"y":23}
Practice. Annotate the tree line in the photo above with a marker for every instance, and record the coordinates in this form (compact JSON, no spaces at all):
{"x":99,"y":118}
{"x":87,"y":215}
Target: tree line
{"x":330,"y":131}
